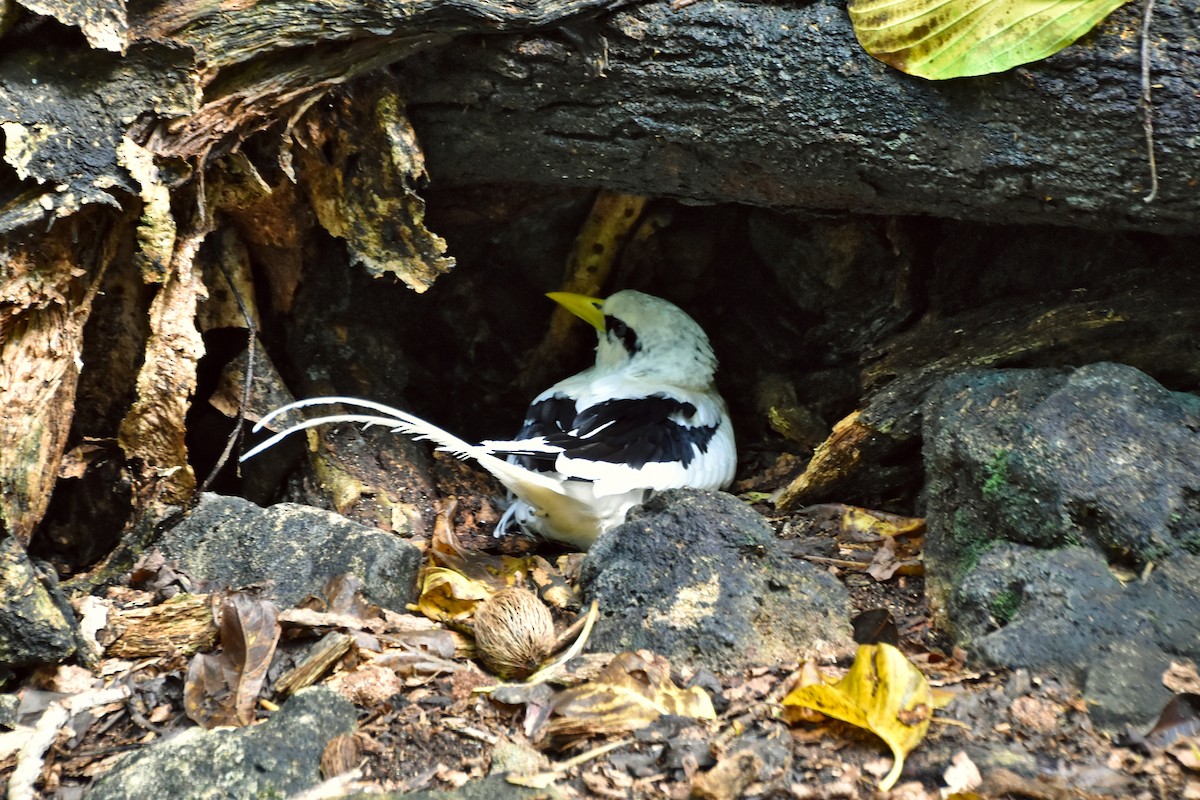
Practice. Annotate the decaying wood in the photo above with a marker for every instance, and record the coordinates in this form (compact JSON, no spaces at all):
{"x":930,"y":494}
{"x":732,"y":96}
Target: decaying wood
{"x":192,"y":80}
{"x":154,"y":430}
{"x":323,"y":655}
{"x":363,"y":191}
{"x":46,"y":296}
{"x":775,"y":104}
{"x":833,"y":460}
{"x":180,"y":626}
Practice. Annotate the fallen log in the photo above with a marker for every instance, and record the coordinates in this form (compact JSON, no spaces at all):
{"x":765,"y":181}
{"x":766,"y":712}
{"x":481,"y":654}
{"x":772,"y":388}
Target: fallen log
{"x":777,"y":105}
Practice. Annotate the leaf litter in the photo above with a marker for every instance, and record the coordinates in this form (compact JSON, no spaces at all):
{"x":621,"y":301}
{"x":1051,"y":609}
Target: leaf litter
{"x":625,"y":724}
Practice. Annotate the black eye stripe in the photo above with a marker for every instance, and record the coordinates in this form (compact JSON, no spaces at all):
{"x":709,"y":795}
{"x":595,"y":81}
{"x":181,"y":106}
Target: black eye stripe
{"x":623,"y":333}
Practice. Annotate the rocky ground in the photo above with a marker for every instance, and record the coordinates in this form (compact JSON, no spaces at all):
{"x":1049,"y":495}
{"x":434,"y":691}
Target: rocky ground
{"x":422,"y":725}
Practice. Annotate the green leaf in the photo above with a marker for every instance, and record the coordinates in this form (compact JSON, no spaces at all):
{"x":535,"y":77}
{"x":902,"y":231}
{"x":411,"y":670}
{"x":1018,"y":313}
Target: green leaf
{"x":939,"y":39}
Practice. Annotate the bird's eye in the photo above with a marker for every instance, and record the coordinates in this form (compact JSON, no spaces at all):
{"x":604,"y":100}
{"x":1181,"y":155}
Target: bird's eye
{"x":626,"y":335}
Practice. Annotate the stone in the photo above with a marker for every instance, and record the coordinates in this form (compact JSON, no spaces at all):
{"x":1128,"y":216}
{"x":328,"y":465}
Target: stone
{"x":1103,"y":457}
{"x":699,"y":578}
{"x":36,"y":624}
{"x":291,"y":549}
{"x":1064,"y":527}
{"x":276,"y":758}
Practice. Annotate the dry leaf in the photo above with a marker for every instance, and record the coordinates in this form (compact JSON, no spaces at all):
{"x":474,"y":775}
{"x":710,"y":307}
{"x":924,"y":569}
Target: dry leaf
{"x":449,"y":595}
{"x":222,"y":689}
{"x":810,"y":675}
{"x":1180,"y":718}
{"x":962,"y":775}
{"x":879,"y":523}
{"x":630,"y":693}
{"x":1181,"y":677}
{"x":1187,"y":752}
{"x":883,"y":693}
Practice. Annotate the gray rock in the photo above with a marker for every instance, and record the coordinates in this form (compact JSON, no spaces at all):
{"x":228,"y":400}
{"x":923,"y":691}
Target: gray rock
{"x":10,"y":706}
{"x":293,"y":549}
{"x":1042,"y":487}
{"x":1064,"y":612}
{"x":36,"y":626}
{"x":1103,"y":457}
{"x":277,"y":758}
{"x":699,"y":578}
{"x":493,"y":787}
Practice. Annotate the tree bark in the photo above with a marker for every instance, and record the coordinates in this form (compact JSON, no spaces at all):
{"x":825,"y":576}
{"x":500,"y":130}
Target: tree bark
{"x":777,"y":105}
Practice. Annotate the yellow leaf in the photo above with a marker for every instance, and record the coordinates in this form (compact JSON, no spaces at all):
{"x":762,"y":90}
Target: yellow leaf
{"x":810,"y":675}
{"x":939,"y":39}
{"x":883,"y":693}
{"x":450,"y":595}
{"x":879,"y":523}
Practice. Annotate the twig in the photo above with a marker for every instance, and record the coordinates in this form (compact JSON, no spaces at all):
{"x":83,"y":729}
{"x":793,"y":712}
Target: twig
{"x":30,"y":760}
{"x":1146,"y":104}
{"x":247,"y":380}
{"x":543,"y":779}
{"x":460,"y":726}
{"x":839,"y":562}
{"x":594,"y":753}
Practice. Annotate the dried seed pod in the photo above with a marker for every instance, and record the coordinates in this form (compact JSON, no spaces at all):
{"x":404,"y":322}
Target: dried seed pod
{"x":514,"y":632}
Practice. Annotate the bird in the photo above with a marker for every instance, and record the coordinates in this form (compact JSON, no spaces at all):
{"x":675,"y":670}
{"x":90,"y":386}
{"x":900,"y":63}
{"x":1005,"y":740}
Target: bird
{"x":645,"y":417}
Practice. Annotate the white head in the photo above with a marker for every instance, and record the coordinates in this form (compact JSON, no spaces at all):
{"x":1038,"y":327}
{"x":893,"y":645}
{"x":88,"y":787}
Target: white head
{"x":645,"y":337}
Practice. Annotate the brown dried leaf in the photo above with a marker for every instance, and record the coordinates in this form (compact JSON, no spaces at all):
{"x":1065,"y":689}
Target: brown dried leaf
{"x":1182,"y":677}
{"x":1187,"y":752}
{"x":962,"y":775}
{"x":1180,"y":718}
{"x":876,"y":625}
{"x":633,"y":691}
{"x":222,"y":689}
{"x":553,"y":586}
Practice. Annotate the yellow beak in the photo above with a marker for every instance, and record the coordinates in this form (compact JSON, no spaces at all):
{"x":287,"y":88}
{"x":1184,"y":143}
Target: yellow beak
{"x":586,"y":308}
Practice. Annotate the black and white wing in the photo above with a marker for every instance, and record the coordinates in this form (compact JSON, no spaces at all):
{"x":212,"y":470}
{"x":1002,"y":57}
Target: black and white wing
{"x":656,"y":441}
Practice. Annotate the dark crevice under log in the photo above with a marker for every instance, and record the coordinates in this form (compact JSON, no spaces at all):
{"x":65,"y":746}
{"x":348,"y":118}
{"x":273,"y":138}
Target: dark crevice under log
{"x":778,"y":106}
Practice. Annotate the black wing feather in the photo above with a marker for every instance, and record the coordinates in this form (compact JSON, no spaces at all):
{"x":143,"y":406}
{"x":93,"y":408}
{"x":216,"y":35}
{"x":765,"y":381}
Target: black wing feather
{"x":635,"y":431}
{"x":552,"y":416}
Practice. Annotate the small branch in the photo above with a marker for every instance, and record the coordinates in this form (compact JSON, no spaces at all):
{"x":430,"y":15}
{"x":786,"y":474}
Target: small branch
{"x":235,"y":435}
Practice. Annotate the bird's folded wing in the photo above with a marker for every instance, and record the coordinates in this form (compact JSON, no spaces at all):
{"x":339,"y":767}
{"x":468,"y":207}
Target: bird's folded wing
{"x":635,"y":432}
